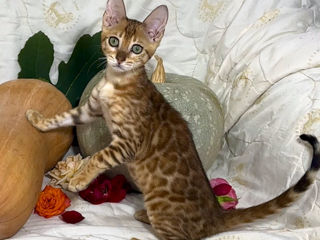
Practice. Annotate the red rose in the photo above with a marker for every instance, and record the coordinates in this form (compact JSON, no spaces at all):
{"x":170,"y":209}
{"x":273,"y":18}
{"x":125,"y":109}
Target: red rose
{"x":102,"y":189}
{"x":118,"y":190}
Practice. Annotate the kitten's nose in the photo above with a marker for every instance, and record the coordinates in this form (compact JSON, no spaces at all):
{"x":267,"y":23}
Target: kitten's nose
{"x":121,"y":56}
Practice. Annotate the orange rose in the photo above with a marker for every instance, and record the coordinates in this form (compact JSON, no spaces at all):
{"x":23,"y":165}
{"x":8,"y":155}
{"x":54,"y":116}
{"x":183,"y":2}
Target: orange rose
{"x":52,"y":202}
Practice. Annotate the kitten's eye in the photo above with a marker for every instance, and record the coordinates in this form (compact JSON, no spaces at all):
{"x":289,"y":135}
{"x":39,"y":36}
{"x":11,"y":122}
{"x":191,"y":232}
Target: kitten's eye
{"x":136,"y":48}
{"x":114,"y":42}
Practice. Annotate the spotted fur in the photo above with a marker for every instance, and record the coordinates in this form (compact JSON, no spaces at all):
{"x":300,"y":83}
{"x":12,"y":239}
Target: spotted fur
{"x":153,"y":139}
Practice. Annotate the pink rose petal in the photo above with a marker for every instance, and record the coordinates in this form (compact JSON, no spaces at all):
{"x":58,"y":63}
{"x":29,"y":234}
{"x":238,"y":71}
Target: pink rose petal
{"x":72,"y":217}
{"x":230,"y":205}
{"x":217,"y":181}
{"x":225,"y":194}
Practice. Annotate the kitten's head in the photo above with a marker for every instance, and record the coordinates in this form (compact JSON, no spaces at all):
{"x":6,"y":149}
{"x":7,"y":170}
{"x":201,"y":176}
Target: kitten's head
{"x":128,"y":44}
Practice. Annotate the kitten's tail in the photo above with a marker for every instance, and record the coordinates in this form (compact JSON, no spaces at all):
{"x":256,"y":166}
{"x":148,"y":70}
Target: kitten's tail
{"x":237,"y":217}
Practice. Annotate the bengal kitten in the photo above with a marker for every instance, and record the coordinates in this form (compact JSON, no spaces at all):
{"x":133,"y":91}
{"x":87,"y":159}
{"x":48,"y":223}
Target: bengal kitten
{"x":152,"y":138}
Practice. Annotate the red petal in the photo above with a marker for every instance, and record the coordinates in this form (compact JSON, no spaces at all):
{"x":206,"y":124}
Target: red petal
{"x":117,"y":196}
{"x":222,"y":189}
{"x":118,"y":181}
{"x":92,"y":195}
{"x":97,"y":192}
{"x":101,"y":179}
{"x":72,"y":217}
{"x":104,"y":190}
{"x":118,"y":190}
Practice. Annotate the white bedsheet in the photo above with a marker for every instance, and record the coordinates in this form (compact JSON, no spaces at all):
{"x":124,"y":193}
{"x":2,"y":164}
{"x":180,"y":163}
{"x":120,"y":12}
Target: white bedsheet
{"x":114,"y":221}
{"x":262,"y":60}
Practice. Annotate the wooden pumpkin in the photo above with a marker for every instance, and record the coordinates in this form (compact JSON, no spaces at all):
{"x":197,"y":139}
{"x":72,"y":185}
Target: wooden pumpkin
{"x":197,"y":103}
{"x":26,"y":153}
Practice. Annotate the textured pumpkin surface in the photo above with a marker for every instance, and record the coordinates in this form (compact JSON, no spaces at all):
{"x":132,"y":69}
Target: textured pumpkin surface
{"x":25,"y":153}
{"x":197,"y":104}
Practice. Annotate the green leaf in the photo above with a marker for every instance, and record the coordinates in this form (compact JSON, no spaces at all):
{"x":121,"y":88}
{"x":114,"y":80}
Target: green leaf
{"x":36,"y":57}
{"x":85,"y":62}
{"x":223,"y":199}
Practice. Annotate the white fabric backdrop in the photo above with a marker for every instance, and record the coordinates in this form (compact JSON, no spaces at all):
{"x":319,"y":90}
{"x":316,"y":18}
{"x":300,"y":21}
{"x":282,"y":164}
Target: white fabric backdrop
{"x":262,"y":60}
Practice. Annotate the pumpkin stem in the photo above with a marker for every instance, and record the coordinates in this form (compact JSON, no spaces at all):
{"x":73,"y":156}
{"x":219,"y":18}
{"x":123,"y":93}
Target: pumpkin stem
{"x":158,"y":76}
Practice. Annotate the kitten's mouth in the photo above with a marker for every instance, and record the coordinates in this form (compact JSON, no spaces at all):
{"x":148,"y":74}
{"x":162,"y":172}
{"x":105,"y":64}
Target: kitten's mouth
{"x":118,"y":67}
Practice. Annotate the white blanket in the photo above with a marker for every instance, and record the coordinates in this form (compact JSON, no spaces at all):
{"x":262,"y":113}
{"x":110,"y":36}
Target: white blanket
{"x":262,"y":60}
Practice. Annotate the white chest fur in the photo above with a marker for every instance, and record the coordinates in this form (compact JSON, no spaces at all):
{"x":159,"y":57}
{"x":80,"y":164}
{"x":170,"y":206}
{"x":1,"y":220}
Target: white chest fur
{"x":106,"y":91}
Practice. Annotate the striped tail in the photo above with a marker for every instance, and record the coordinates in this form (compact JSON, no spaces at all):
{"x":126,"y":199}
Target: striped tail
{"x":237,"y":217}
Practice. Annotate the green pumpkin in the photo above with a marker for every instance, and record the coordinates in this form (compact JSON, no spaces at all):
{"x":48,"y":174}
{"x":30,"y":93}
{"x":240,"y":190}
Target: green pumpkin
{"x":195,"y":101}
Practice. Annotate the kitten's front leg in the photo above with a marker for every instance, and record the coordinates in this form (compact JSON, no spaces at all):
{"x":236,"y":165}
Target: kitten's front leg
{"x":118,"y":152}
{"x":79,"y":115}
{"x":36,"y":119}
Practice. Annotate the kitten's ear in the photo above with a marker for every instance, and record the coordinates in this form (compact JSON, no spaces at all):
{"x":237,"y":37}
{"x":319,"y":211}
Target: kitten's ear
{"x":115,"y":11}
{"x":155,"y":23}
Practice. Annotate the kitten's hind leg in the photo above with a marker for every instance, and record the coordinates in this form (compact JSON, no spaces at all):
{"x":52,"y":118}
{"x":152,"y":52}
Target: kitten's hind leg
{"x":142,"y":216}
{"x":79,"y":115}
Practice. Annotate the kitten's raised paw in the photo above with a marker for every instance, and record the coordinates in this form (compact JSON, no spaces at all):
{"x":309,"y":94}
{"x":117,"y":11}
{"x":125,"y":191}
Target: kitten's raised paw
{"x":34,"y":117}
{"x":77,"y":184}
